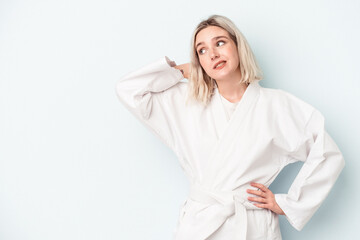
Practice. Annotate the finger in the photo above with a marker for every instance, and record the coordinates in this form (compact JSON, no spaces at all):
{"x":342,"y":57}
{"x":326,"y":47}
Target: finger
{"x":172,"y":63}
{"x":261,"y":205}
{"x":257,"y":199}
{"x":256,"y":192}
{"x":259,"y":185}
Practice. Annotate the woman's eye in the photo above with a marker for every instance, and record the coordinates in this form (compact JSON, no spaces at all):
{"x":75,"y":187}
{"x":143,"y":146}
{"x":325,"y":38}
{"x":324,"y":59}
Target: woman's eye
{"x":221,"y":42}
{"x":200,"y":51}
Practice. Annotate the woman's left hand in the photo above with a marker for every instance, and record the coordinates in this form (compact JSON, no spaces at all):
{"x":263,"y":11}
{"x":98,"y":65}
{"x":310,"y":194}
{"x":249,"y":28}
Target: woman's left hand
{"x":265,"y":199}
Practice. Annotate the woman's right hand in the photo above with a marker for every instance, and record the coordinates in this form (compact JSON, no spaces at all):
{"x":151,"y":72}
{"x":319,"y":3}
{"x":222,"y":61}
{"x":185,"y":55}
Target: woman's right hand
{"x":185,"y":69}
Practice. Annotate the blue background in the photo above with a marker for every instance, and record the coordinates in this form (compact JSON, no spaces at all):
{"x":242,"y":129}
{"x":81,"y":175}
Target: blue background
{"x":75,"y":164}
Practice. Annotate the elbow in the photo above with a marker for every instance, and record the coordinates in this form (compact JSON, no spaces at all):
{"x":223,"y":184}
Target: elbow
{"x":342,"y":162}
{"x":335,"y":157}
{"x":138,"y":104}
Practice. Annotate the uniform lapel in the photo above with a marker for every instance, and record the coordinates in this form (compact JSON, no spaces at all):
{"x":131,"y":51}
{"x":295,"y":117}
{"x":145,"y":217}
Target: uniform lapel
{"x":227,"y":129}
{"x":219,"y":114}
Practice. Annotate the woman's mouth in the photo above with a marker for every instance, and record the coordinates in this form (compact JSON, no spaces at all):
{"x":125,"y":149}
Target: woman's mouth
{"x":220,"y":65}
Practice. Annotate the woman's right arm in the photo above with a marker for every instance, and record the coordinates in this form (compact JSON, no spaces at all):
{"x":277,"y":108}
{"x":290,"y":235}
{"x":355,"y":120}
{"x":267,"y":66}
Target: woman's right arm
{"x":145,"y":93}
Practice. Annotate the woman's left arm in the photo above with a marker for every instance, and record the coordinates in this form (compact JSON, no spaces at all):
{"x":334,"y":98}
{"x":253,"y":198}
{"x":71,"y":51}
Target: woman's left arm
{"x":323,"y":163}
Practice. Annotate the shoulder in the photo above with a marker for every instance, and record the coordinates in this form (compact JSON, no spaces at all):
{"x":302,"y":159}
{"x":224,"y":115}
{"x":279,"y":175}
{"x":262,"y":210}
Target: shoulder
{"x":284,"y":99}
{"x":285,"y":103}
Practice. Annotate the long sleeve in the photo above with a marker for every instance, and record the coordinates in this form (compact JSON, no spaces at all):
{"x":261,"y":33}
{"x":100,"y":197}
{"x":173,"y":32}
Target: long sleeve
{"x":144,"y":93}
{"x":323,"y":163}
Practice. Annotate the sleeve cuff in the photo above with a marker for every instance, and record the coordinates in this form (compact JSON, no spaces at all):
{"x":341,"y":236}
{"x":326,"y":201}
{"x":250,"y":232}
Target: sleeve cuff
{"x":280,"y":200}
{"x":171,"y":63}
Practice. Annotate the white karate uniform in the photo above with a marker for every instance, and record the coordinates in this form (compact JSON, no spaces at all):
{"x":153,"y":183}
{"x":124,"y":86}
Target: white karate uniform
{"x":222,"y":153}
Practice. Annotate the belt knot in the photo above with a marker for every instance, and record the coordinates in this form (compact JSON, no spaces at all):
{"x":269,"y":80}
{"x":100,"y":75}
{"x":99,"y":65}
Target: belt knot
{"x":232,"y":202}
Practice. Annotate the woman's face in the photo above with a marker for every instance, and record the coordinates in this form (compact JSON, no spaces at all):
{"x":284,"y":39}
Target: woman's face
{"x":217,"y":52}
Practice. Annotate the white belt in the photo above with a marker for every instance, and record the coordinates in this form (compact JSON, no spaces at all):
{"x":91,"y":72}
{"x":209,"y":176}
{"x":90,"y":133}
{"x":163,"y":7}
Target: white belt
{"x":232,"y":203}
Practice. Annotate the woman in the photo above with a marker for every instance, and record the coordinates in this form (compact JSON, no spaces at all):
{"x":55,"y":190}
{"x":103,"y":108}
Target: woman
{"x":233,"y":137}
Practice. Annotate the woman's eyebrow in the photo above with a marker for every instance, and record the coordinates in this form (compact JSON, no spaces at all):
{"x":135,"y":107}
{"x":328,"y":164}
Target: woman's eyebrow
{"x":214,"y":38}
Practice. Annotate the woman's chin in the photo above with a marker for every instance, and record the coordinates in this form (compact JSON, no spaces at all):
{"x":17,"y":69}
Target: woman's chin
{"x":221,"y":77}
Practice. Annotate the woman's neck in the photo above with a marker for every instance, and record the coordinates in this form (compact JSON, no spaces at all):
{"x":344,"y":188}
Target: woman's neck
{"x":231,"y":89}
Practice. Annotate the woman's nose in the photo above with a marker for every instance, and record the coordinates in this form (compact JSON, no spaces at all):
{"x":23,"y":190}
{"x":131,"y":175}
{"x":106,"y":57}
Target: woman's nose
{"x":213,"y":54}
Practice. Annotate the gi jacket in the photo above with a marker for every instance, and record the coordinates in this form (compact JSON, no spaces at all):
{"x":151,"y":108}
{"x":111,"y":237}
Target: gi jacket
{"x":269,"y":129}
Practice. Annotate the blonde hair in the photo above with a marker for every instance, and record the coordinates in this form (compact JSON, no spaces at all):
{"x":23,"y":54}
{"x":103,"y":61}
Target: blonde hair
{"x":201,"y":85}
